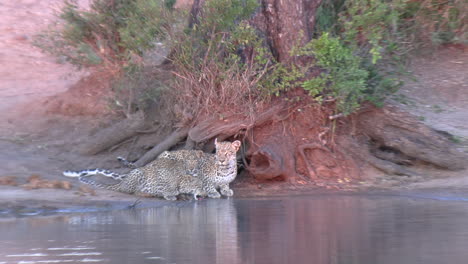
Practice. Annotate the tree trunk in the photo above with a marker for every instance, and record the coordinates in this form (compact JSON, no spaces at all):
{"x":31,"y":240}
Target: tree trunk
{"x":286,"y":24}
{"x":164,"y":145}
{"x":398,"y":136}
{"x":301,"y":140}
{"x":114,"y":134}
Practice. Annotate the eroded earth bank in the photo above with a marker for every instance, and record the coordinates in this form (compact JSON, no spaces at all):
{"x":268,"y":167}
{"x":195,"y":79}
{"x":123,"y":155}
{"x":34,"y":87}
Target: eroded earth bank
{"x":49,"y":111}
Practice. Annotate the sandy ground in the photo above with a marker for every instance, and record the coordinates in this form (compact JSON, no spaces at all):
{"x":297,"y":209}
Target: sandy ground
{"x":34,"y":143}
{"x":30,"y":142}
{"x":27,"y":73}
{"x":438,"y":95}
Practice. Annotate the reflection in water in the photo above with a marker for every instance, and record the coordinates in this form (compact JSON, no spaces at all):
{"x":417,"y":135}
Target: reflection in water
{"x":314,"y":229}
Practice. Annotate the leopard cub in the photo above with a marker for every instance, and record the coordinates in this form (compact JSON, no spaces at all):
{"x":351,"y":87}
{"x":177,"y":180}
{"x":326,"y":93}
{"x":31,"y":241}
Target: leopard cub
{"x":216,"y":171}
{"x":175,"y":172}
{"x":163,"y":177}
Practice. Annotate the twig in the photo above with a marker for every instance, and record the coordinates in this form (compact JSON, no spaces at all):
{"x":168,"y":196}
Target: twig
{"x":333,"y":117}
{"x":171,"y":140}
{"x":134,"y":204}
{"x":321,"y":134}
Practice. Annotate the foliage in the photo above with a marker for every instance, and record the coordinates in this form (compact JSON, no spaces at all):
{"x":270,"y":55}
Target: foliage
{"x":383,"y":33}
{"x":342,"y":76}
{"x":137,"y":89}
{"x":327,"y":17}
{"x":282,"y":78}
{"x":437,"y":21}
{"x":372,"y":30}
{"x":109,"y":33}
{"x":222,"y":62}
{"x":407,"y":23}
{"x":114,"y":35}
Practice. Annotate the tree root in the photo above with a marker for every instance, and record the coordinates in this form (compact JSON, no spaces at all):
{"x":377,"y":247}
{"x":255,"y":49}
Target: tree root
{"x":167,"y":143}
{"x":390,"y":167}
{"x":361,"y":151}
{"x":266,"y":165}
{"x":396,"y":130}
{"x":231,"y":125}
{"x":301,"y":152}
{"x":392,"y":156}
{"x":113,"y":135}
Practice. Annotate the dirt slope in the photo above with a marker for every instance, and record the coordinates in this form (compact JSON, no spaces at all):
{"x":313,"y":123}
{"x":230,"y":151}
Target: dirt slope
{"x":439,"y":97}
{"x":33,"y":142}
{"x":25,"y":72}
{"x":439,"y":93}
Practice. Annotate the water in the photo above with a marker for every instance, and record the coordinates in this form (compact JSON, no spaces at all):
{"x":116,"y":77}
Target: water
{"x":309,"y":229}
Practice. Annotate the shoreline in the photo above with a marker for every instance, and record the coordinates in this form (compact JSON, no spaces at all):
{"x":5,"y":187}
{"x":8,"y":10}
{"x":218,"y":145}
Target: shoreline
{"x":45,"y":202}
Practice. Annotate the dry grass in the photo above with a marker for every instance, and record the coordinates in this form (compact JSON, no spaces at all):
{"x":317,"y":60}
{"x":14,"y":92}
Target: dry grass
{"x":214,"y":90}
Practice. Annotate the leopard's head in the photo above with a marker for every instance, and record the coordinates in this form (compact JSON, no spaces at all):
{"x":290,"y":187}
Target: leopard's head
{"x":226,"y":151}
{"x":192,"y":166}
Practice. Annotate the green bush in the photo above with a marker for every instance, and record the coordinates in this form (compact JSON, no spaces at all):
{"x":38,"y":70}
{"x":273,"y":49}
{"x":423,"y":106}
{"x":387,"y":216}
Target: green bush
{"x":109,"y":34}
{"x":436,"y":21}
{"x":136,"y":90}
{"x":376,"y":32}
{"x":342,"y":76}
{"x":221,"y":62}
{"x":375,"y":25}
{"x":383,"y":33}
{"x":114,"y":36}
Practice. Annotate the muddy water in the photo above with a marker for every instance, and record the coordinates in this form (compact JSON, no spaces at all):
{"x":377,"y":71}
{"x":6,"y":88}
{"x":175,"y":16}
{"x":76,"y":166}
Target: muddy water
{"x":308,"y":229}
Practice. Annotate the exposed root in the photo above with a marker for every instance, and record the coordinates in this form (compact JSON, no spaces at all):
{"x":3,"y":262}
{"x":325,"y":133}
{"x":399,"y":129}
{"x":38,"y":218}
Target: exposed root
{"x":361,"y":151}
{"x":322,"y":134}
{"x":266,"y":164}
{"x":390,"y":167}
{"x":301,"y":152}
{"x":231,"y":125}
{"x":392,"y":156}
{"x":396,"y":130}
{"x":167,"y":143}
{"x":189,"y":144}
{"x":333,"y":117}
{"x":114,"y":134}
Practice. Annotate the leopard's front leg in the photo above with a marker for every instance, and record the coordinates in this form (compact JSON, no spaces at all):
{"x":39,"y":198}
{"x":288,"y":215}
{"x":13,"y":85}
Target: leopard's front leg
{"x":211,"y":191}
{"x":225,"y":190}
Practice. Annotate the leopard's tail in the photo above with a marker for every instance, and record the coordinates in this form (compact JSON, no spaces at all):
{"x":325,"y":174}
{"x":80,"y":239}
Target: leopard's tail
{"x":124,"y":185}
{"x":112,"y":187}
{"x":126,"y":163}
{"x":85,"y":173}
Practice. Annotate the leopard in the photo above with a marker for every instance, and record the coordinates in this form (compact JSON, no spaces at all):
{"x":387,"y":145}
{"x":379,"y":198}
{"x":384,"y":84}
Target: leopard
{"x":163,"y":177}
{"x":216,"y":171}
{"x":189,"y":158}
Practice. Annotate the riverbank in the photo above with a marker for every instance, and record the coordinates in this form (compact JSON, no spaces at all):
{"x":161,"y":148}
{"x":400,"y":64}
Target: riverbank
{"x":42,"y":126}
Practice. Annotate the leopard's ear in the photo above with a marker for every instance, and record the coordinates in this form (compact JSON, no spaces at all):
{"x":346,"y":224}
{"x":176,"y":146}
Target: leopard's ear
{"x":216,"y":141}
{"x":236,"y":144}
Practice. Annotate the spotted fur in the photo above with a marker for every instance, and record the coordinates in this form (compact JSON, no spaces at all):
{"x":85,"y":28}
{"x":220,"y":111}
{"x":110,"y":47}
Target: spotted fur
{"x":176,"y":172}
{"x":163,"y":177}
{"x":217,"y":171}
{"x":91,"y":172}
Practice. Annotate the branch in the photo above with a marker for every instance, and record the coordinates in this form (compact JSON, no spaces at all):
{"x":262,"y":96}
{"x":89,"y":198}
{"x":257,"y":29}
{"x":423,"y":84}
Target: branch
{"x":167,"y":143}
{"x":113,"y":135}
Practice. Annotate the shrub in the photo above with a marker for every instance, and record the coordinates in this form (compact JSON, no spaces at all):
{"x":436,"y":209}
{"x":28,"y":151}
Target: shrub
{"x":221,"y":62}
{"x":109,"y":34}
{"x":374,"y":31}
{"x":436,"y":21}
{"x":137,"y":89}
{"x":342,"y":76}
{"x":114,"y":36}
